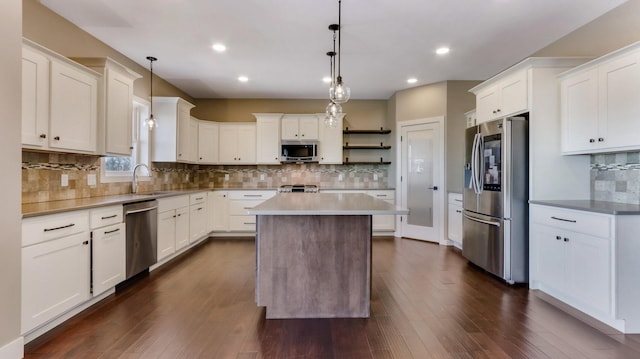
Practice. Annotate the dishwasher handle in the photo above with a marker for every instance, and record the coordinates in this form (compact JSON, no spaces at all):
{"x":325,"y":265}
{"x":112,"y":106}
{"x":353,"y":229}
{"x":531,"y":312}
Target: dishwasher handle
{"x":141,"y":210}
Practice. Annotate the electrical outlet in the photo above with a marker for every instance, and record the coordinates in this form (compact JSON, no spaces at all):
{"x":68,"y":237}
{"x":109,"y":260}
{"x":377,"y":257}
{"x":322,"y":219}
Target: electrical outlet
{"x":262,"y":177}
{"x":64,"y":180}
{"x":186,"y":177}
{"x":226,"y":176}
{"x":340,"y":177}
{"x":166,"y":178}
{"x":91,"y":179}
{"x":375,"y":176}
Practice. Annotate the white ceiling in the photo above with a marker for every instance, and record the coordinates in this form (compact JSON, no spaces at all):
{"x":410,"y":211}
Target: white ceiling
{"x":281,"y":45}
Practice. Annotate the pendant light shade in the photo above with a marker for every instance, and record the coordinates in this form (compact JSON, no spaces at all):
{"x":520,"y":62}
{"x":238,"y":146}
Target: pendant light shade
{"x":334,"y":109}
{"x":151,"y":121}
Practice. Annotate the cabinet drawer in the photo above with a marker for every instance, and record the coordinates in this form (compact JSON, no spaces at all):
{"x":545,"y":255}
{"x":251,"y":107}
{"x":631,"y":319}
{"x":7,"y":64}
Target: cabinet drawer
{"x":455,"y":198}
{"x":251,"y":194}
{"x":105,"y":216}
{"x":383,"y":194}
{"x":239,"y":208}
{"x":578,"y":221}
{"x":45,"y":228}
{"x":166,"y":204}
{"x":242,"y":223}
{"x":196,"y":198}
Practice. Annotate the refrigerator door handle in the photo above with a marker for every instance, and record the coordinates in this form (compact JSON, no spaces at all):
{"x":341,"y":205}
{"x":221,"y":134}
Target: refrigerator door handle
{"x":474,"y":164}
{"x":496,"y":224}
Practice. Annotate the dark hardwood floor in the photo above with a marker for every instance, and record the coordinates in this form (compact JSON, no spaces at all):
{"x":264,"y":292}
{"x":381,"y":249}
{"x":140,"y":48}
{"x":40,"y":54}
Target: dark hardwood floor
{"x":427,"y":302}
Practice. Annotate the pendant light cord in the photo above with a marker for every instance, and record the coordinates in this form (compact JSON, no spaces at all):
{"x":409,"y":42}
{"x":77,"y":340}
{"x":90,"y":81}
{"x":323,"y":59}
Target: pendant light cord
{"x":339,"y":36}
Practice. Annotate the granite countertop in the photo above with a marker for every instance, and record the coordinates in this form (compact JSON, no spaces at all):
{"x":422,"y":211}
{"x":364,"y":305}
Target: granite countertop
{"x":325,"y":204}
{"x":44,"y":208}
{"x":594,"y":206}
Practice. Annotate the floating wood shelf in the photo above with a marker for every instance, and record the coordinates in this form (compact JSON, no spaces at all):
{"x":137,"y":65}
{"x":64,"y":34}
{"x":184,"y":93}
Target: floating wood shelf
{"x":374,"y":147}
{"x":381,"y":131}
{"x":366,"y":163}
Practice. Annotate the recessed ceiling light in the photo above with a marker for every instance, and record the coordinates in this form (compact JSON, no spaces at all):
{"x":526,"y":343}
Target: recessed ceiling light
{"x":326,"y":79}
{"x":412,"y":80}
{"x":442,"y":51}
{"x":219,"y":47}
{"x":243,"y":78}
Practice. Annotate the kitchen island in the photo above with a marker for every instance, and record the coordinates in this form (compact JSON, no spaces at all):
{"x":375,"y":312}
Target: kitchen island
{"x":313,"y":254}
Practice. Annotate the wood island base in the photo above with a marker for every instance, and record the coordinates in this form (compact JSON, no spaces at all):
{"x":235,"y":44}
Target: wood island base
{"x":313,"y":266}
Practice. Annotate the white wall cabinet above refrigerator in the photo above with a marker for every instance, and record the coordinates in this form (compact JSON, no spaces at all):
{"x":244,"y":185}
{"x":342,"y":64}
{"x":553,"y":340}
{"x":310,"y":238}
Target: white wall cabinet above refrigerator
{"x":503,"y":97}
{"x":600,"y":104}
{"x":59,"y":102}
{"x":175,"y":138}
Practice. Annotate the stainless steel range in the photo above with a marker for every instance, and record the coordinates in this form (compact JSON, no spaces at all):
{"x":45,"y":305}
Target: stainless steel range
{"x":306,"y":188}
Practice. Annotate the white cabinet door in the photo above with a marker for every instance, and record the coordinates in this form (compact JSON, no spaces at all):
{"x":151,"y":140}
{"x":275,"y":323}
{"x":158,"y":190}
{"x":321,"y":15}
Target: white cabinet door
{"x":218,"y":211}
{"x":619,"y":112}
{"x":55,"y":278}
{"x":197,"y":222}
{"x":513,"y":95}
{"x":207,"y":142}
{"x":118,"y":112}
{"x":579,"y":112}
{"x":268,"y":140}
{"x":228,"y":143}
{"x":330,"y":143}
{"x":486,"y":104}
{"x":246,"y":144}
{"x":455,"y":223}
{"x":166,"y":234}
{"x":35,"y":99}
{"x":108,"y":257}
{"x":549,"y":261}
{"x":182,"y":227}
{"x":187,"y":147}
{"x":290,"y":128}
{"x":383,"y":222}
{"x":589,"y":270}
{"x":175,"y":139}
{"x":74,"y":109}
{"x":308,"y":127}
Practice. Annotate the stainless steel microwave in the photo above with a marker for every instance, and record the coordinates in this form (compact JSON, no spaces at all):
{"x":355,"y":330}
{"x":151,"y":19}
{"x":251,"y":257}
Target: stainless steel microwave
{"x":299,"y":151}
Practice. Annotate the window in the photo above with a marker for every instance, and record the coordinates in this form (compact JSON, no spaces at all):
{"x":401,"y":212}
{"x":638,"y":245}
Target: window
{"x":120,"y":169}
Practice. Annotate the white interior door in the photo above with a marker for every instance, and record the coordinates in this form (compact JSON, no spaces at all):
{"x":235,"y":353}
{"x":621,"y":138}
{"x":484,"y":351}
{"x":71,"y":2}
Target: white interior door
{"x":421,"y":179}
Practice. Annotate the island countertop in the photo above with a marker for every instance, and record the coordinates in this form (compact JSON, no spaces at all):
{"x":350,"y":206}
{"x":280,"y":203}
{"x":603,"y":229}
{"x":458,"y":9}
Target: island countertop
{"x":325,"y":204}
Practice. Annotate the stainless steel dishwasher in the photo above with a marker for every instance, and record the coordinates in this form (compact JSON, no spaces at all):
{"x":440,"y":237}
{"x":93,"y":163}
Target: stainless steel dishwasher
{"x":141,"y":220}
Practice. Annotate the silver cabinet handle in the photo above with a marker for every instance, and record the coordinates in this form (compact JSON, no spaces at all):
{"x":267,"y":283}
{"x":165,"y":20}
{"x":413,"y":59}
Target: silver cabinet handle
{"x":114,"y":231}
{"x":199,"y":198}
{"x":61,"y":227}
{"x":249,"y":222}
{"x":252,"y":195}
{"x":112,"y":216}
{"x":564,"y":220}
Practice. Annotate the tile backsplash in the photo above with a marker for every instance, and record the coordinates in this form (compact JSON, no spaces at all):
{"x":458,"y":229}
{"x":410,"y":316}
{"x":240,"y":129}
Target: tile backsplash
{"x":616,"y":177}
{"x":42,"y":172}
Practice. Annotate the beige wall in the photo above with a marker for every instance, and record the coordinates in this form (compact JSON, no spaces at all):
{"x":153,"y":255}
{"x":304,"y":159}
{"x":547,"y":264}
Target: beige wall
{"x":421,"y":102}
{"x":52,"y":31}
{"x":10,"y":70}
{"x":459,"y":101}
{"x":611,"y":31}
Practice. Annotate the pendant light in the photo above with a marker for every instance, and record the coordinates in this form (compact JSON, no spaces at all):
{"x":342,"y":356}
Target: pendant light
{"x":339,"y":92}
{"x":333,"y":110}
{"x":151,"y":121}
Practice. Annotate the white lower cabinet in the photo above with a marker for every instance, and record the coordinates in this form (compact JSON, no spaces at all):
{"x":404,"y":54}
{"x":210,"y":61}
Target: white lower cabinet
{"x":228,"y":209}
{"x":197,"y":217}
{"x":108,"y":248}
{"x":589,"y":261}
{"x":455,"y":219}
{"x":173,"y":225}
{"x":218,"y":202}
{"x":385,"y":222}
{"x":55,"y":266}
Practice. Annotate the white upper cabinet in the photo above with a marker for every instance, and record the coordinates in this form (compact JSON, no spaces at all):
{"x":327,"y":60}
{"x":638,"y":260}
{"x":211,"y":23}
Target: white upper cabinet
{"x":64,"y":93}
{"x":299,"y":127}
{"x":115,"y":105}
{"x":175,"y":139}
{"x":330,"y":144}
{"x":35,"y":99}
{"x":208,"y":142}
{"x":237,"y":143}
{"x":268,"y":138}
{"x":600,"y":104}
{"x":503,"y":97}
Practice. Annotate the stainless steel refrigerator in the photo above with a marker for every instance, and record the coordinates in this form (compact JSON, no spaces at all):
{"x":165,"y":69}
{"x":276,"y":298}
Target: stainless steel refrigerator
{"x":495,"y":198}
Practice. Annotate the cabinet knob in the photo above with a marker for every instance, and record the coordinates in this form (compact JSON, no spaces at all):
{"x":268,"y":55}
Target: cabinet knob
{"x":498,"y":110}
{"x":200,"y":157}
{"x":303,"y":135}
{"x":42,"y":135}
{"x":591,"y":140}
{"x":494,"y":111}
{"x":238,"y":158}
{"x":558,"y":238}
{"x":566,"y":239}
{"x":600,"y":139}
{"x":85,"y":243}
{"x":296,"y":135}
{"x":57,"y":138}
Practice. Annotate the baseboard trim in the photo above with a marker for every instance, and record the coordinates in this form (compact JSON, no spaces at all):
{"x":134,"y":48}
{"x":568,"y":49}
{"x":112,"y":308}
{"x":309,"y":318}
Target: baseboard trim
{"x":13,"y":349}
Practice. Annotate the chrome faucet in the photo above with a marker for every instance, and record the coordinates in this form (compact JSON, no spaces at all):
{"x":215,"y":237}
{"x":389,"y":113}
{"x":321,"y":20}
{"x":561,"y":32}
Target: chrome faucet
{"x":134,"y":183}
